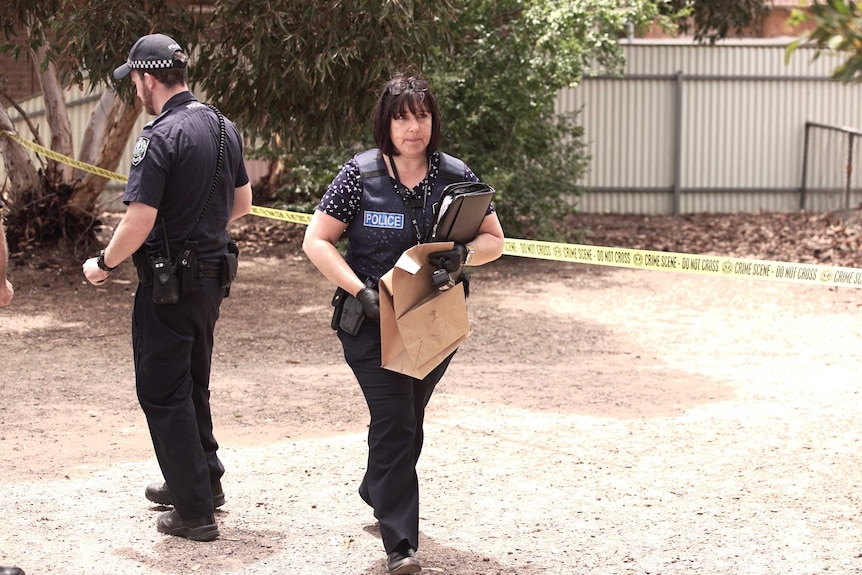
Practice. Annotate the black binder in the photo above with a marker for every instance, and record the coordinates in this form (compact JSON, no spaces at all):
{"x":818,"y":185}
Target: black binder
{"x":463,"y":206}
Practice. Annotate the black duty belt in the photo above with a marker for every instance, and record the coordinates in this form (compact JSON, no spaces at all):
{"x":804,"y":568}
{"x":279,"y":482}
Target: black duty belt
{"x":209,"y":269}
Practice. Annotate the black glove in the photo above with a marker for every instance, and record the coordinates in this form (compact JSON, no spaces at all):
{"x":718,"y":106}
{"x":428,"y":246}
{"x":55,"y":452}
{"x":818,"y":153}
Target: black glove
{"x":370,"y":300}
{"x":450,"y":260}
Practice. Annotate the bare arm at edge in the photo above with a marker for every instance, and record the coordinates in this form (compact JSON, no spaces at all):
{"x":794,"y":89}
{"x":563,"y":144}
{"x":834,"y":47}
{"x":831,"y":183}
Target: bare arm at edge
{"x":6,"y":291}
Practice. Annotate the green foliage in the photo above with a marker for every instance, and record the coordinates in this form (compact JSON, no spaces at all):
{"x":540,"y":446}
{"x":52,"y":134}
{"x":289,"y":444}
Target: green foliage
{"x":84,"y":49}
{"x":299,"y":76}
{"x":293,"y":73}
{"x":303,"y":181}
{"x":498,"y":87}
{"x":838,"y":30}
{"x":711,"y":20}
{"x":534,"y":196}
{"x":303,"y":74}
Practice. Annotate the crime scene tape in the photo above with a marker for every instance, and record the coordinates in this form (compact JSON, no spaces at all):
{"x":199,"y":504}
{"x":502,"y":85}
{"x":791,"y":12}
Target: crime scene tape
{"x":293,"y":217}
{"x":717,"y":266}
{"x":65,"y":159}
{"x":285,"y":216}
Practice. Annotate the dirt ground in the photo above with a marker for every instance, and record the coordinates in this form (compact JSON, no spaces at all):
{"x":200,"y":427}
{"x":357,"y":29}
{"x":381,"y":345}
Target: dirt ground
{"x":598,"y":420}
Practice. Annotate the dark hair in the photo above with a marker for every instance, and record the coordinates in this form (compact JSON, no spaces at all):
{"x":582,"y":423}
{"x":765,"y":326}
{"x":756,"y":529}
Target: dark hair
{"x":168,"y":76}
{"x":398,"y":95}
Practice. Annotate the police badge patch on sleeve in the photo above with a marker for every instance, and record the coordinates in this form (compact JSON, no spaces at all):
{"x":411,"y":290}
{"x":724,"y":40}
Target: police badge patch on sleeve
{"x":140,"y":150}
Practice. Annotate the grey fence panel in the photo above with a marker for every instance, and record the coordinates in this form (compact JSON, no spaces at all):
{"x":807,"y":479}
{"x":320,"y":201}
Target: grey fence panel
{"x":832,"y":169}
{"x":629,"y":147}
{"x":617,"y":129}
{"x":691,"y":128}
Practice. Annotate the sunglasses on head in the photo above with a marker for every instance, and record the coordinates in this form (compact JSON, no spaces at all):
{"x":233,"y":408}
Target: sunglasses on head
{"x":397,"y":87}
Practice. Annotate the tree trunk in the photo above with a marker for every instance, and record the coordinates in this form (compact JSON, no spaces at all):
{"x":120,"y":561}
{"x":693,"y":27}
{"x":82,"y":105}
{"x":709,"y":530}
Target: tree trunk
{"x":51,"y":207}
{"x":22,"y":174}
{"x":57,"y":115}
{"x":105,"y":140}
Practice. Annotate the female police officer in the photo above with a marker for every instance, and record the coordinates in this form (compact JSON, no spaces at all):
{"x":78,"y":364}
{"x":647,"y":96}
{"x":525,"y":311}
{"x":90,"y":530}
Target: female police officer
{"x":404,"y":178}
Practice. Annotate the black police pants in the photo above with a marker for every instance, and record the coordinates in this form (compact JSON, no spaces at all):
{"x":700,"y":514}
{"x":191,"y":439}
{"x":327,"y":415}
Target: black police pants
{"x":172,"y":346}
{"x":397,"y":404}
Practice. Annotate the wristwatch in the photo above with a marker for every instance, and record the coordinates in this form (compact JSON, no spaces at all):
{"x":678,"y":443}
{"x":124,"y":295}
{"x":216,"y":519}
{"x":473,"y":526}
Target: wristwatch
{"x":471,"y":253}
{"x":100,"y":261}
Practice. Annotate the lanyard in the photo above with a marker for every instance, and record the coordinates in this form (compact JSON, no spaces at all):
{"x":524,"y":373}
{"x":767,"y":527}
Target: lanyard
{"x":402,"y":192}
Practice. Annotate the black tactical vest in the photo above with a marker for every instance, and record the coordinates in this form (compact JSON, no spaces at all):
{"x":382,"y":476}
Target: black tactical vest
{"x":383,"y":228}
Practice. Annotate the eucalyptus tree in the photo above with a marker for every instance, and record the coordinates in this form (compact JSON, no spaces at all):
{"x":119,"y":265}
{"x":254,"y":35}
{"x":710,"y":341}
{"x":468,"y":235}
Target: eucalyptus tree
{"x":291,"y":73}
{"x":298,"y":76}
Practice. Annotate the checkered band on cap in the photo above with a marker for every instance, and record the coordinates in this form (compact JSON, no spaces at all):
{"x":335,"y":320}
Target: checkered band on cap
{"x":154,"y":64}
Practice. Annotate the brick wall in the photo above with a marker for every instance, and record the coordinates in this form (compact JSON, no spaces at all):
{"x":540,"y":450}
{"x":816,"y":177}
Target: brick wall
{"x":17,"y":77}
{"x":773,"y":26}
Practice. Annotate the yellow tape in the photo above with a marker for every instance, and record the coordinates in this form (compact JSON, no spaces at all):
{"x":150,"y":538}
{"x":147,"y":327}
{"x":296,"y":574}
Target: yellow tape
{"x":66,"y":159}
{"x":717,"y":266}
{"x":293,"y":217}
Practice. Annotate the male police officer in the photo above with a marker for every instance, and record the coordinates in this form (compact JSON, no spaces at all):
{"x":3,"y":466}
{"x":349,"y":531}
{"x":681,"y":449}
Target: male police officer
{"x":180,"y":217}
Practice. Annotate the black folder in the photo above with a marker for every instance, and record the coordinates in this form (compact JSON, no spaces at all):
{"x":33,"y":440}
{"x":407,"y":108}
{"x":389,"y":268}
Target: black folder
{"x":463,"y":206}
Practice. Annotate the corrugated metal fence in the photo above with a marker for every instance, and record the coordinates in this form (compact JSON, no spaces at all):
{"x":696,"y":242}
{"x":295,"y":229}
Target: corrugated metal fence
{"x":690,"y":128}
{"x":686,"y":128}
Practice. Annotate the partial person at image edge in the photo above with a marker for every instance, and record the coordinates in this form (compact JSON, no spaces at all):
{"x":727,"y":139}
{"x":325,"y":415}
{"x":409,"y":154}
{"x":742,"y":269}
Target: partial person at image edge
{"x":6,"y":290}
{"x":401,"y":181}
{"x":6,"y":295}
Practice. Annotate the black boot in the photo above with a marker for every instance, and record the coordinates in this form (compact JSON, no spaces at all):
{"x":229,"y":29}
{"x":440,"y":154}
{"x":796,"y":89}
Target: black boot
{"x":159,"y":493}
{"x":403,"y":561}
{"x":197,"y":529}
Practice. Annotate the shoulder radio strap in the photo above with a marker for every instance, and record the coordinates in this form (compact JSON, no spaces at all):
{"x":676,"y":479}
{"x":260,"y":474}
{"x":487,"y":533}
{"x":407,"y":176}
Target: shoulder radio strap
{"x":185,"y":254}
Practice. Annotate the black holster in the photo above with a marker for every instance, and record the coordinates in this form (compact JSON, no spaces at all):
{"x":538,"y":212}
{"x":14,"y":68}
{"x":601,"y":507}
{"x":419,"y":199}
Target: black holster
{"x":159,"y":272}
{"x":348,"y":314}
{"x":352,"y":315}
{"x":187,"y":267}
{"x":338,"y":299}
{"x":141,"y":259}
{"x":229,"y":267}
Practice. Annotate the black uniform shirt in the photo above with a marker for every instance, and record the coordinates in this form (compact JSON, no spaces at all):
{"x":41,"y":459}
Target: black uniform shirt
{"x":172,"y":169}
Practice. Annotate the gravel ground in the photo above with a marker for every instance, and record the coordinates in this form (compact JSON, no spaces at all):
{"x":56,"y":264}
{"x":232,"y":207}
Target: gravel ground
{"x":603,"y":421}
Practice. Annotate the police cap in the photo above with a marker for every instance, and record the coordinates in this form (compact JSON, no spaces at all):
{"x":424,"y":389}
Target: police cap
{"x":153,"y":52}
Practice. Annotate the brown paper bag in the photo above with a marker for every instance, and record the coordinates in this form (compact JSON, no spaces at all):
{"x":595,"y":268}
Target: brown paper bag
{"x":419,"y":325}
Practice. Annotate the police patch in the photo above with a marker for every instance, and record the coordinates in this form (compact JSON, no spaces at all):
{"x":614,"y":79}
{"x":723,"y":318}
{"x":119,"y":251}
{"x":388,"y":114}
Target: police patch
{"x":140,"y":150}
{"x":384,"y":220}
